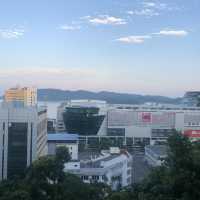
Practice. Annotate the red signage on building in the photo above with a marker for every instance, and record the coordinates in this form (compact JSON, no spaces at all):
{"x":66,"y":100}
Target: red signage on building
{"x":146,"y":117}
{"x":192,"y":133}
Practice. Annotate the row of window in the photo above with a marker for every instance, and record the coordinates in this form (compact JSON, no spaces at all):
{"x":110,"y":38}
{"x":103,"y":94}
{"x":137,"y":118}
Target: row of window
{"x":93,"y":178}
{"x":193,"y":124}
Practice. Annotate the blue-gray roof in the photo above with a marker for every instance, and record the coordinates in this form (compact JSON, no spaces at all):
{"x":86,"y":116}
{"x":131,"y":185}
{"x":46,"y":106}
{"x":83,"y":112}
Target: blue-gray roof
{"x":62,"y":137}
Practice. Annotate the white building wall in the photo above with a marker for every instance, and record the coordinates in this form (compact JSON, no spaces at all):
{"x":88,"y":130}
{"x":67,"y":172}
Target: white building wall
{"x":179,"y":122}
{"x":116,"y":167}
{"x":119,"y":166}
{"x":103,"y":129}
{"x":138,"y":131}
{"x":27,"y":115}
{"x":72,"y":148}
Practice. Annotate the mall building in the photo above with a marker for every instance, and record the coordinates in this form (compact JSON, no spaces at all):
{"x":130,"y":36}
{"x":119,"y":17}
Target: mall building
{"x":149,"y":122}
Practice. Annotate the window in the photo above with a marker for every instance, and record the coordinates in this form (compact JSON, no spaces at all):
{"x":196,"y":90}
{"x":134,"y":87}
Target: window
{"x":17,"y":148}
{"x":4,"y":126}
{"x":116,"y":131}
{"x":83,"y":120}
{"x":95,"y":178}
{"x":85,"y":178}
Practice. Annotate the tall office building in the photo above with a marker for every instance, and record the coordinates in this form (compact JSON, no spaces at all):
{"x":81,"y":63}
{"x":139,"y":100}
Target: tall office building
{"x":26,"y":95}
{"x":191,"y":98}
{"x":84,"y":117}
{"x":23,"y":137}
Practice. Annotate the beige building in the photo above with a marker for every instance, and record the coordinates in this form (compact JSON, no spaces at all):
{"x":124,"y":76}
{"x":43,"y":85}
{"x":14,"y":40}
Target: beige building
{"x":27,"y":95}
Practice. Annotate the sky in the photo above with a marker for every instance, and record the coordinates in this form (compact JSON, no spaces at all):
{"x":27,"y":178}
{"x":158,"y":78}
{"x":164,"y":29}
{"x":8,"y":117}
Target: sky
{"x":130,"y":46}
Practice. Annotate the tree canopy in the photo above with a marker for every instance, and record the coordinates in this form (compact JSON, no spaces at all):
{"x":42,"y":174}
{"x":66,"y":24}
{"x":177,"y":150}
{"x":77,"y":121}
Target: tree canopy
{"x":177,"y":179}
{"x":46,"y":180}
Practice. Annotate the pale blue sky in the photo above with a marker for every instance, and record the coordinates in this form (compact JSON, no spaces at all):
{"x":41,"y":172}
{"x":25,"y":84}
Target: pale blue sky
{"x":135,"y":46}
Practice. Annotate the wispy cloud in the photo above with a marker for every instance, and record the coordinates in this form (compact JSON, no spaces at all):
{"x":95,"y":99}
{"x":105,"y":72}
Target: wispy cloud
{"x":153,"y":8}
{"x":149,"y":4}
{"x":162,"y":6}
{"x":11,"y":33}
{"x":177,"y":33}
{"x":105,"y":20}
{"x":156,"y":5}
{"x":69,"y":27}
{"x":134,"y":39}
{"x":144,"y":12}
{"x":139,"y":39}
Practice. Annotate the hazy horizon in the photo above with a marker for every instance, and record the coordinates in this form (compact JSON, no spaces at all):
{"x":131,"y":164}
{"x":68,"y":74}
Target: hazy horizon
{"x":120,"y":92}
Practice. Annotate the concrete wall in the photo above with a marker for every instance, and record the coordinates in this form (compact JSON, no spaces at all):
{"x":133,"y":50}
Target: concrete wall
{"x":73,"y":149}
{"x":27,"y":115}
{"x":135,"y":131}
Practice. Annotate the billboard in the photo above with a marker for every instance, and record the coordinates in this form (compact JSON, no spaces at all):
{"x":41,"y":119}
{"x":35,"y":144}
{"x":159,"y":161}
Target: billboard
{"x":192,"y":133}
{"x":146,"y":117}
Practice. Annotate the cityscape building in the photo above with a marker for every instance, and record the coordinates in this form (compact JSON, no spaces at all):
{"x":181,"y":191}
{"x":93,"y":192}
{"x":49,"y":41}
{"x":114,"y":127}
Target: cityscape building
{"x":155,"y":154}
{"x":145,"y":124}
{"x":191,"y":98}
{"x":25,"y":95}
{"x":112,"y":167}
{"x":86,"y":117}
{"x":63,"y":139}
{"x":23,"y":137}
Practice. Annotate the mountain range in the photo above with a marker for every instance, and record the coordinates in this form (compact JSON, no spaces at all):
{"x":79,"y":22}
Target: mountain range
{"x":110,"y":97}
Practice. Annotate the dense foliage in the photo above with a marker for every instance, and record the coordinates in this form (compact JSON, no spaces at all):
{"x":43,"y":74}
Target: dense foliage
{"x":45,"y":180}
{"x":177,"y":179}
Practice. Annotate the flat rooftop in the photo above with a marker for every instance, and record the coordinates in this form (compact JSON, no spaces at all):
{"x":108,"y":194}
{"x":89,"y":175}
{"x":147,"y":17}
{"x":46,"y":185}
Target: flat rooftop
{"x":62,"y":137}
{"x":94,"y":159}
{"x":160,"y":150}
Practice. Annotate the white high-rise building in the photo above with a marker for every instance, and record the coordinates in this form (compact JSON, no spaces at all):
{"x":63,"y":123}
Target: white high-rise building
{"x":23,"y":137}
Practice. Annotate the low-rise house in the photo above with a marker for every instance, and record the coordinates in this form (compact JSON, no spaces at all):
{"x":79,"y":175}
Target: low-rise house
{"x":63,"y":139}
{"x":113,"y":168}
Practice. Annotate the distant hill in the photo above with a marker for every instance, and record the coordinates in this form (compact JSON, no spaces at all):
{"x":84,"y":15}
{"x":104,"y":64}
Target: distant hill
{"x":110,"y":97}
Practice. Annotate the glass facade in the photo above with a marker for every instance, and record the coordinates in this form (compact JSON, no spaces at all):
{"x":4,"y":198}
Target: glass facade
{"x":17,"y":148}
{"x":161,"y":133}
{"x":116,"y":131}
{"x":82,"y":120}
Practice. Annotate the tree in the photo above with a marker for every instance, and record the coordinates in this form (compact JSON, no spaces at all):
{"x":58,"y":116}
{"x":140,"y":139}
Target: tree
{"x":46,"y":180}
{"x":14,"y":189}
{"x":179,"y":177}
{"x":62,"y":154}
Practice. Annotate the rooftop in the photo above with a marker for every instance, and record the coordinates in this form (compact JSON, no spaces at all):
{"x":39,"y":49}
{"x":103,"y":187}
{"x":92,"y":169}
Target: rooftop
{"x":62,"y":137}
{"x":94,"y":159}
{"x":160,"y":150}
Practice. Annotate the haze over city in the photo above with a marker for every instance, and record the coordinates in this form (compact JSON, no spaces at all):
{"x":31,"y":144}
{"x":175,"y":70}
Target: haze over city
{"x":145,"y":47}
{"x":99,"y":100}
